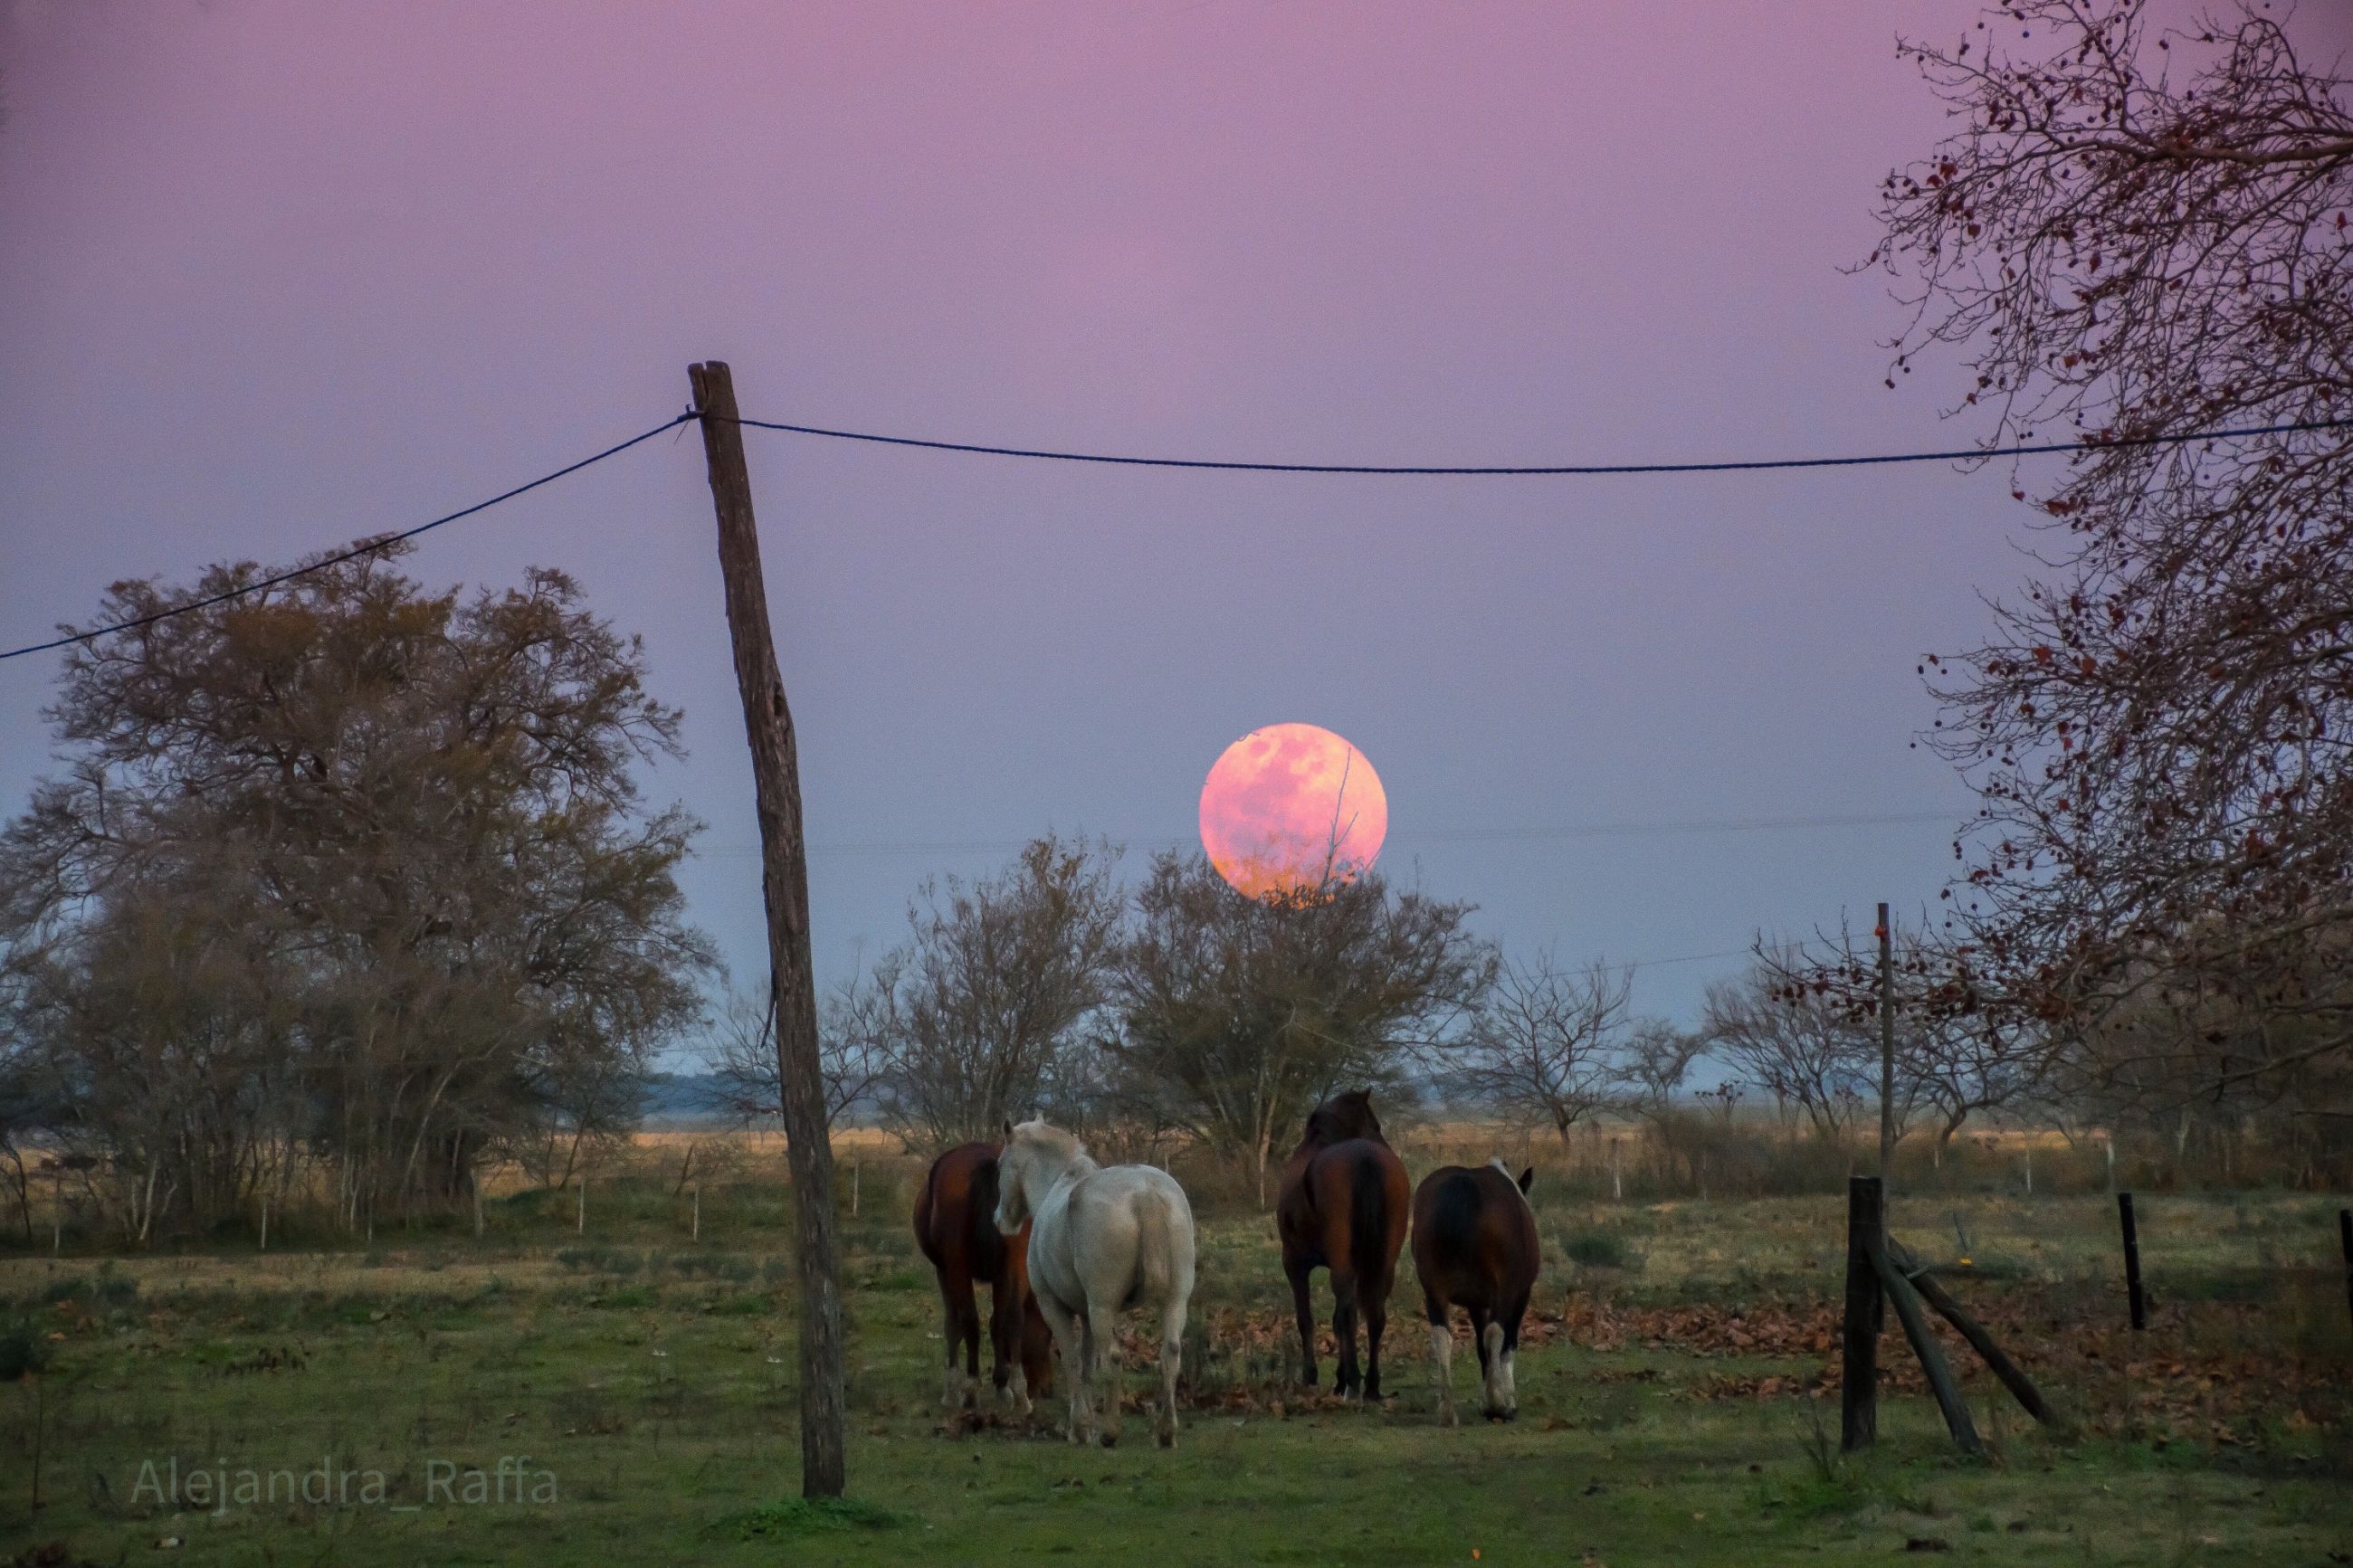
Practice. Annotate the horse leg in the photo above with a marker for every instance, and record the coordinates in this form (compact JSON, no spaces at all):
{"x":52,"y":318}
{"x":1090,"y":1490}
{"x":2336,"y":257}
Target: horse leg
{"x":963,"y":1324}
{"x":1103,"y":1359}
{"x":1070,"y":1338}
{"x":1004,"y":1325}
{"x":1496,"y":1359}
{"x":1299,"y":1269}
{"x":1171,"y":1356}
{"x":1441,"y":1356}
{"x":1376,"y":1324}
{"x":1508,"y":1379}
{"x":1481,"y":1320}
{"x":1349,"y":1381}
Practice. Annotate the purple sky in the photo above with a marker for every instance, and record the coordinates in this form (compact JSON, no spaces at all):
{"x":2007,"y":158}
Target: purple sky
{"x":276,"y":274}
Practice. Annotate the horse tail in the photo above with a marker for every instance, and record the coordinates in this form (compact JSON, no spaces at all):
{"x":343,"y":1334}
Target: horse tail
{"x":1156,"y":1246}
{"x":926,"y":1212}
{"x":1368,"y":1226}
{"x":980,"y":1214}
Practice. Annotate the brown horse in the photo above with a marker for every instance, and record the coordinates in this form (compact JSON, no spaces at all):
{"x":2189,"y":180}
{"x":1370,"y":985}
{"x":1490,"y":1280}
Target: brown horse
{"x":955,"y":1224}
{"x":1475,"y":1247}
{"x":1342,"y":1207}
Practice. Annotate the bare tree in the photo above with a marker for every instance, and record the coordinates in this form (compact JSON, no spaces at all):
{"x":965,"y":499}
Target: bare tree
{"x":1804,"y":1048}
{"x":2137,"y":235}
{"x":853,"y":1052}
{"x":977,"y":1012}
{"x":1544,"y":1046}
{"x":1655,"y":1066}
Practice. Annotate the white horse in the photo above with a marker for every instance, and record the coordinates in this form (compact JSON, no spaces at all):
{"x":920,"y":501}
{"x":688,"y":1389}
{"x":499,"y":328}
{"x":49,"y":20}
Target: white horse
{"x":1100,"y":1240}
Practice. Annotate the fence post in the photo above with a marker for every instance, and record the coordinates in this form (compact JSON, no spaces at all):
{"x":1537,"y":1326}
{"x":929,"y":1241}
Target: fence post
{"x":580,"y":1225}
{"x":2345,"y":1237}
{"x":1858,"y":1378}
{"x":2132,"y":1261}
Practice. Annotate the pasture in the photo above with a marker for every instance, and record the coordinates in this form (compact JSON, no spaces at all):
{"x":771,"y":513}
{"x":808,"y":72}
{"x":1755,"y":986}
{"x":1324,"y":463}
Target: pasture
{"x":540,"y":1396}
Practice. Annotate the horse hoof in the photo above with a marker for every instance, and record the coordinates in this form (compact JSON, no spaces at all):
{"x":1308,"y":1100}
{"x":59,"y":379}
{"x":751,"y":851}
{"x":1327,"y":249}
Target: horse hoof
{"x":1111,"y":1439}
{"x":1169,"y":1439}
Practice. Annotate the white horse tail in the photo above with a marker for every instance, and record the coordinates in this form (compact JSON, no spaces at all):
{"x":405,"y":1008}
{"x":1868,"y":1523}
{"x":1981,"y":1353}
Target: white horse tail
{"x":1156,"y":1252}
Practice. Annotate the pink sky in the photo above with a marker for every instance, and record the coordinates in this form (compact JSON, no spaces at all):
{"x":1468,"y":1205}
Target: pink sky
{"x":276,"y":274}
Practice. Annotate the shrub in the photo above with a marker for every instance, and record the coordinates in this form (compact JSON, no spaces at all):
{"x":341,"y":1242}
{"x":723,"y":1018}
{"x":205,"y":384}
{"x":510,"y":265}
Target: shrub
{"x":1598,"y":1249}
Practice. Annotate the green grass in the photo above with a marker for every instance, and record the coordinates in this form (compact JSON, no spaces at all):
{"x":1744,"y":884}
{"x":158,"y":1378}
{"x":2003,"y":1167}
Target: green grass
{"x":653,"y":1382}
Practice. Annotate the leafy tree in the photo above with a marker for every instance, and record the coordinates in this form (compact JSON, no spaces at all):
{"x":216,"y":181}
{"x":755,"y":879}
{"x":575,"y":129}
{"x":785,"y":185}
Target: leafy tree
{"x":346,"y":868}
{"x":1237,"y":1014}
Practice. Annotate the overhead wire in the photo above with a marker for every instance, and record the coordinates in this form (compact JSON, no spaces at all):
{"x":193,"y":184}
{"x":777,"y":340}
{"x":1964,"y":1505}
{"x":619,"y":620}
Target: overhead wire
{"x":1969,"y":454}
{"x":1744,"y":465}
{"x":369,"y":547}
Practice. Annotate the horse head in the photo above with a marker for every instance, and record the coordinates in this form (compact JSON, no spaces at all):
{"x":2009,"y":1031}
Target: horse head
{"x":1036,"y":1154}
{"x":1342,"y":1117}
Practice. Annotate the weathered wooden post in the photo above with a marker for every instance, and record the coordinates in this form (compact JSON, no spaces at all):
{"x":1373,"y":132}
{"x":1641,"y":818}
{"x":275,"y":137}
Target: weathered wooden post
{"x":1886,"y":934}
{"x":2344,"y":1238}
{"x":1932,"y":1365}
{"x":580,"y":1225}
{"x":1858,"y":1378}
{"x":2132,"y":1261}
{"x":784,"y":883}
{"x":695,"y":1232}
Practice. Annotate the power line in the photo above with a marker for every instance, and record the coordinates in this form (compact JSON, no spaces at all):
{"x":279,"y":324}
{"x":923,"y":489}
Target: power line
{"x":2088,"y":443}
{"x":1968,"y":454}
{"x":370,"y":548}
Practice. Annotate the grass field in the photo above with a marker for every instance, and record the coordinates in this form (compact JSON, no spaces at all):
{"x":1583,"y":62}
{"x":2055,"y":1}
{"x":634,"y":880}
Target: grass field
{"x":639,"y":1389}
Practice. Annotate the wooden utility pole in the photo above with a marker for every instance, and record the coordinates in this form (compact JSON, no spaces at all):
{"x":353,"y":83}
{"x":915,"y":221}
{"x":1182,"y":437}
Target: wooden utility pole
{"x":783,"y":881}
{"x":1886,"y":1045}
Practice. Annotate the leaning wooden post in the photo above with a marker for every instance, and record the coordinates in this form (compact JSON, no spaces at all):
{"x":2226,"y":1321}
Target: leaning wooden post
{"x":1858,"y":1378}
{"x":1989,"y":1352}
{"x":2132,"y":1262}
{"x":1932,"y":1365}
{"x":784,"y":882}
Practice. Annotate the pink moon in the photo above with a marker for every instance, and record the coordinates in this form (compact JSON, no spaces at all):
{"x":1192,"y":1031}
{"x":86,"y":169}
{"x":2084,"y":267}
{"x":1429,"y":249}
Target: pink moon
{"x":1292,"y":806}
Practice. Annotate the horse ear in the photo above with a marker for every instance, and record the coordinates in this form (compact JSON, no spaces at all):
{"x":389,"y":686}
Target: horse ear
{"x":1009,"y":1129}
{"x":1526,"y":1177}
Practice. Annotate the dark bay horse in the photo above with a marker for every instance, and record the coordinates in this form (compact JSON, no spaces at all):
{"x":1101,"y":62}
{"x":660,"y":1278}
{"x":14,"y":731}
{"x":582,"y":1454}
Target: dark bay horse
{"x":955,"y":1224}
{"x":1475,"y":1247}
{"x":1341,"y":1207}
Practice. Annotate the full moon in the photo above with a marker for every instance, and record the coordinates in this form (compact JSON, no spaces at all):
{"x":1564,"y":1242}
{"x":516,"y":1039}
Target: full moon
{"x":1292,"y":806}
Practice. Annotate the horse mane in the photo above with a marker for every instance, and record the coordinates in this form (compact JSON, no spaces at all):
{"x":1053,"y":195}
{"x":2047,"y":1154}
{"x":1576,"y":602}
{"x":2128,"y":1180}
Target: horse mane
{"x":1054,"y":1140}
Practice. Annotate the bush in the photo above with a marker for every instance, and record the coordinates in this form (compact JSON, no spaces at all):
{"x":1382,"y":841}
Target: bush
{"x":1599,"y":1249}
{"x":23,"y":1353}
